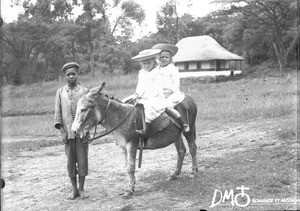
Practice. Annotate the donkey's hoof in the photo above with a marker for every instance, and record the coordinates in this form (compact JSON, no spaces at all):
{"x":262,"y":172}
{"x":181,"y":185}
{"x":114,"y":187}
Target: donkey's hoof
{"x":172,"y":177}
{"x":127,"y":194}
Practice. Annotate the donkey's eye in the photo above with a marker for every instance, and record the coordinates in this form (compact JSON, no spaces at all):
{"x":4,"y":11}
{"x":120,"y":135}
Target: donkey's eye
{"x":83,"y":109}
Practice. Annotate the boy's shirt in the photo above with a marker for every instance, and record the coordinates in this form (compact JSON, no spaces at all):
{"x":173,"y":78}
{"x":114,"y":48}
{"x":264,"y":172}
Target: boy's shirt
{"x":65,"y":106}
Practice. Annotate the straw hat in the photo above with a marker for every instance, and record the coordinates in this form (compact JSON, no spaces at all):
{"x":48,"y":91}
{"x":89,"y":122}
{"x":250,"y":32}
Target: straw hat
{"x":70,"y":65}
{"x":166,"y":47}
{"x":146,"y":54}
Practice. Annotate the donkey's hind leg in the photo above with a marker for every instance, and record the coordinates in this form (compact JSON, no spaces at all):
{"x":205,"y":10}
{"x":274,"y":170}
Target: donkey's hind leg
{"x":181,"y":150}
{"x":191,"y":139}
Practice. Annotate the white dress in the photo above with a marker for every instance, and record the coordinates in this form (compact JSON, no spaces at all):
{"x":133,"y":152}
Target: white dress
{"x":170,"y":85}
{"x":149,"y":92}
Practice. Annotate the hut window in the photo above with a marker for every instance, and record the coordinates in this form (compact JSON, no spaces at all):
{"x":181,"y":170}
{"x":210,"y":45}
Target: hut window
{"x":181,"y":66}
{"x":192,"y":65}
{"x":232,"y":65}
{"x":224,"y":64}
{"x":208,"y":65}
{"x":239,"y":65}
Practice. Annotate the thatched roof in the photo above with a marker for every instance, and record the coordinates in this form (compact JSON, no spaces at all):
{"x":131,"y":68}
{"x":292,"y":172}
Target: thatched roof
{"x":202,"y":48}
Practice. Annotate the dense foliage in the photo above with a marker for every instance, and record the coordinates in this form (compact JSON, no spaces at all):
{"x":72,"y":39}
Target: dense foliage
{"x":48,"y":34}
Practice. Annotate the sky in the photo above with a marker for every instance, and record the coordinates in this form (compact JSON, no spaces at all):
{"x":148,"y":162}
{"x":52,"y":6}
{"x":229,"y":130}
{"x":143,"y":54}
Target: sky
{"x":199,"y":8}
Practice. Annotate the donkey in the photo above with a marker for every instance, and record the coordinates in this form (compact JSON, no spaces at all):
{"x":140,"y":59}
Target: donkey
{"x":96,"y":108}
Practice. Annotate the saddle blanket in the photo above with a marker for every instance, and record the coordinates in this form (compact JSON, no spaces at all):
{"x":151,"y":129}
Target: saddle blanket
{"x":159,"y":124}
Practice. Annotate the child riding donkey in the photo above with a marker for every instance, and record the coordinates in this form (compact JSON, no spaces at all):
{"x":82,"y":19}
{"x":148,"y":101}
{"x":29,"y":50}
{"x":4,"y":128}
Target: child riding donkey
{"x":149,"y":91}
{"x":171,"y":82}
{"x":157,"y":90}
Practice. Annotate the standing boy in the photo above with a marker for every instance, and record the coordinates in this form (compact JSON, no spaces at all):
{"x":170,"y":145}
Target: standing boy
{"x":65,"y":109}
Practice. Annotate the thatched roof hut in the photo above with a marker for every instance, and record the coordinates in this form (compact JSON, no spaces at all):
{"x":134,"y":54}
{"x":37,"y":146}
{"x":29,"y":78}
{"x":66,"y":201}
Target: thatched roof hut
{"x":203,"y":53}
{"x":202,"y":48}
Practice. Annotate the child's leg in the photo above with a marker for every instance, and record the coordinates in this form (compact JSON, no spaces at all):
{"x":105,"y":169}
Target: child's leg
{"x":174,"y":113}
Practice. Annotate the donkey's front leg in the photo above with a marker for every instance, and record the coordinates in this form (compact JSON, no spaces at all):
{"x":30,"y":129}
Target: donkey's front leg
{"x":131,"y":155}
{"x":181,"y":150}
{"x":124,"y":152}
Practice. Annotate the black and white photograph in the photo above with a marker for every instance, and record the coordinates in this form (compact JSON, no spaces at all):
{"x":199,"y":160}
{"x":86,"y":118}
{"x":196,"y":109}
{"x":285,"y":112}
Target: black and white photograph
{"x":150,"y":105}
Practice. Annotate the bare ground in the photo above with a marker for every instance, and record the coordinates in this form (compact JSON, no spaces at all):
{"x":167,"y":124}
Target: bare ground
{"x":37,"y":180}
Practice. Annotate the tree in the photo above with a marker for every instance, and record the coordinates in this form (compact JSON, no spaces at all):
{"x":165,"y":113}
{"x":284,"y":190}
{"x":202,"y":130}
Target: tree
{"x":24,"y":40}
{"x":36,"y":44}
{"x":101,"y":35}
{"x":131,"y":12}
{"x":213,"y":25}
{"x":275,"y":20}
{"x":189,"y":26}
{"x":167,"y":23}
{"x":47,"y":35}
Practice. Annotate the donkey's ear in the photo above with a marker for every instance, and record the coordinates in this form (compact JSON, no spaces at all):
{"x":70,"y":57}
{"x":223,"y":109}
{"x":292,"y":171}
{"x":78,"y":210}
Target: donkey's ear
{"x":92,"y":93}
{"x":95,"y":91}
{"x":101,"y":88}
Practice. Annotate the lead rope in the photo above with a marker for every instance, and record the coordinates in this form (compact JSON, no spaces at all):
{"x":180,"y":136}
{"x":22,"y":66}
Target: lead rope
{"x":105,"y":111}
{"x":114,"y":128}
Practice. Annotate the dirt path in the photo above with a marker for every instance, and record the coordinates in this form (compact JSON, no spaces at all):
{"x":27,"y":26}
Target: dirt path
{"x":37,"y":180}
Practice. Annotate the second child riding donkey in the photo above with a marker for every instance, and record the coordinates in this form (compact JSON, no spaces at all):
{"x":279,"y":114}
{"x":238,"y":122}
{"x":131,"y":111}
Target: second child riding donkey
{"x":171,"y":82}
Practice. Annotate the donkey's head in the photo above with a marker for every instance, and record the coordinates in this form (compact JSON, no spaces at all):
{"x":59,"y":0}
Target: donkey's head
{"x":88,"y":114}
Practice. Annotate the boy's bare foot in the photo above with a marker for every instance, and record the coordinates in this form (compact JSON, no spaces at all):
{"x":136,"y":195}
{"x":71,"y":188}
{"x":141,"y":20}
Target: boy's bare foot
{"x":73,"y":195}
{"x":82,"y":194}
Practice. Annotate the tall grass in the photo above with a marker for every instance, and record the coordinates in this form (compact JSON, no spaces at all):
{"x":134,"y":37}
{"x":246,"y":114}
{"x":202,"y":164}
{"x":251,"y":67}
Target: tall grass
{"x":39,"y":98}
{"x":244,"y":99}
{"x":35,"y":125}
{"x":226,"y":101}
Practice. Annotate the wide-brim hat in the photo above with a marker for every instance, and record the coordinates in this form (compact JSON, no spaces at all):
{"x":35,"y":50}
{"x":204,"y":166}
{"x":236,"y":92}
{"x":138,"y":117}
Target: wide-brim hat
{"x":166,"y":47}
{"x":146,"y":54}
{"x":70,"y":65}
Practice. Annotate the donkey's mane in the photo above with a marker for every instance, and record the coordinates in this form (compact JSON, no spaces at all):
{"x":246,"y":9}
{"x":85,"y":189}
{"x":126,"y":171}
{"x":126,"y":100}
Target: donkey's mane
{"x":95,"y":91}
{"x":111,"y":97}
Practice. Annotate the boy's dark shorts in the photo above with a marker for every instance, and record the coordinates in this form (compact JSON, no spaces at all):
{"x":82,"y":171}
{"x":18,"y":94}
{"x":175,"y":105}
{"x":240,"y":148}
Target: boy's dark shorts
{"x":77,"y":153}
